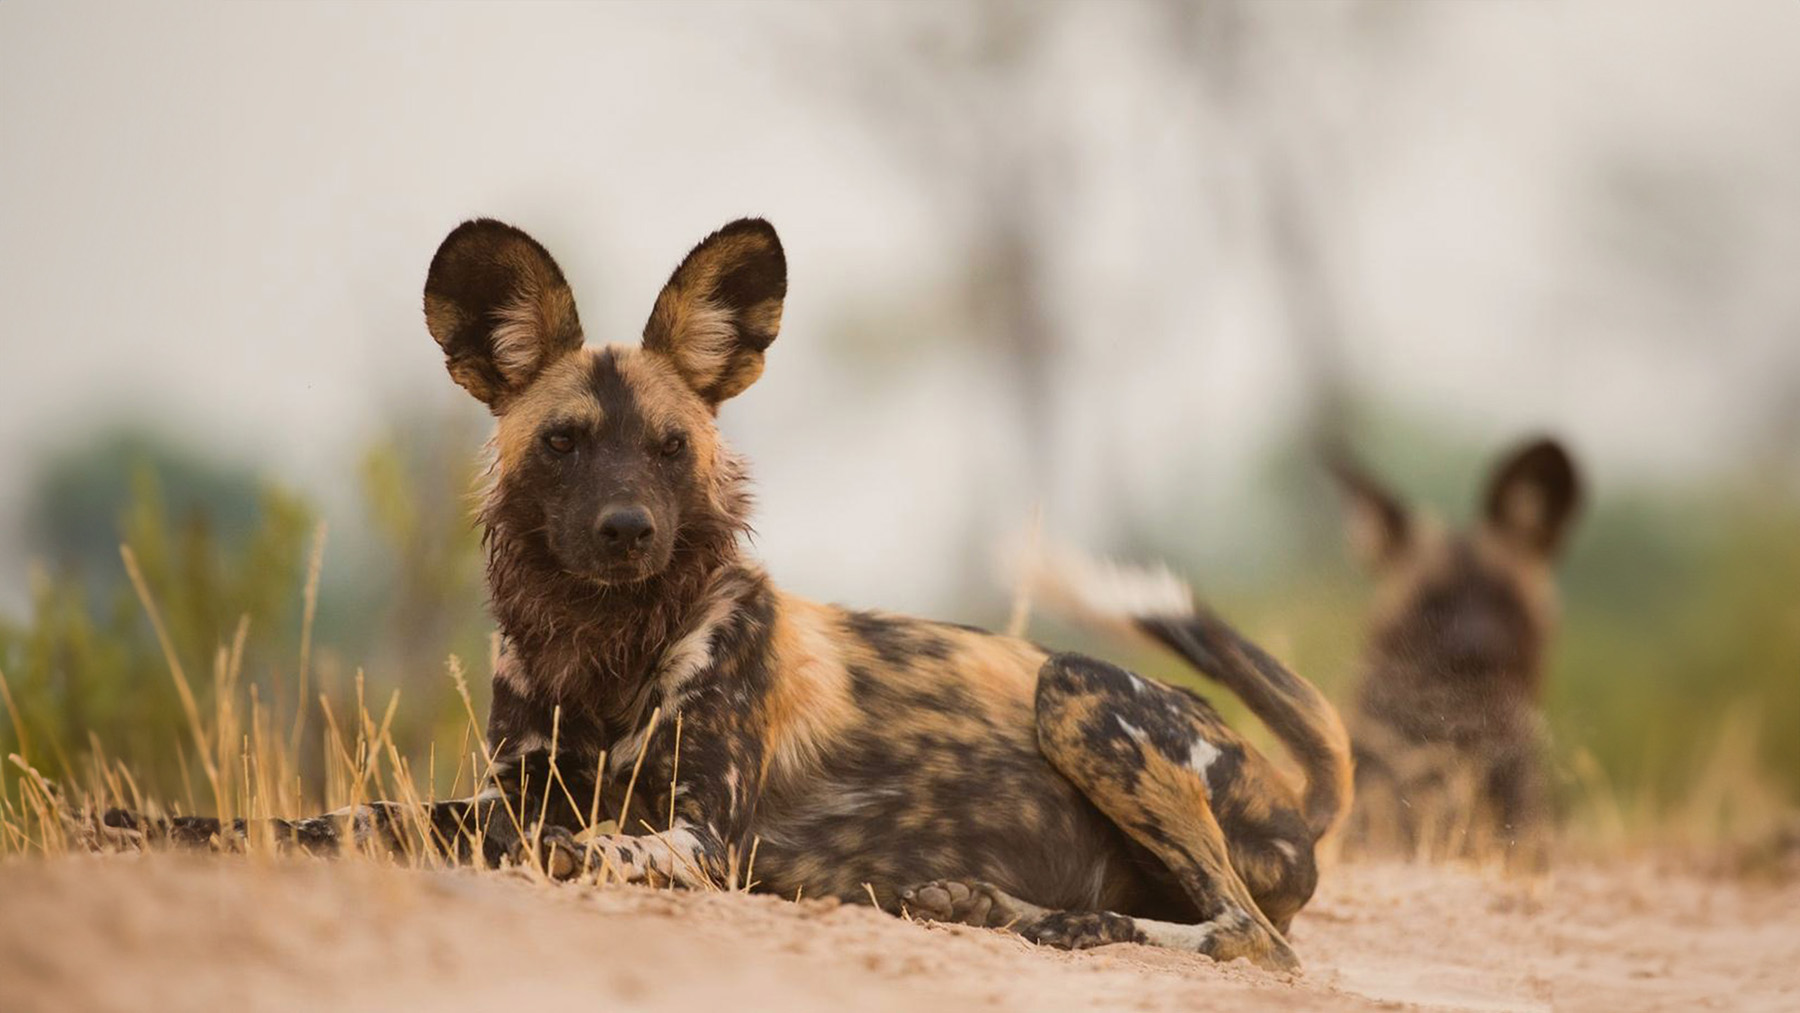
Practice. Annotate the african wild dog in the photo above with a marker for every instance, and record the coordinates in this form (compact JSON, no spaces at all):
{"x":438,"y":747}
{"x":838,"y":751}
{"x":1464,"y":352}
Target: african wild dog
{"x":1447,"y":726}
{"x":958,"y":774}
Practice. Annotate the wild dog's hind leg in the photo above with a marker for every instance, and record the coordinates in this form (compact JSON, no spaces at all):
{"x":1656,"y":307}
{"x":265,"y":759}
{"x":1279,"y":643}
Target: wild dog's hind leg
{"x":1137,"y":750}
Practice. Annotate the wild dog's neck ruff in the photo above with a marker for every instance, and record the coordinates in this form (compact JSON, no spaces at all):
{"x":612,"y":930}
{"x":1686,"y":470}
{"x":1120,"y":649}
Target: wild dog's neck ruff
{"x":583,"y":644}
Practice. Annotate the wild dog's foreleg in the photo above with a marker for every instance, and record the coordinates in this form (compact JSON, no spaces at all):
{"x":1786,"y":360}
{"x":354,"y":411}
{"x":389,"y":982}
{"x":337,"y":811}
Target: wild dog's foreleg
{"x":698,"y":766}
{"x":1133,"y":748}
{"x":526,"y":791}
{"x":376,"y":824}
{"x":701,"y":765}
{"x":451,"y":829}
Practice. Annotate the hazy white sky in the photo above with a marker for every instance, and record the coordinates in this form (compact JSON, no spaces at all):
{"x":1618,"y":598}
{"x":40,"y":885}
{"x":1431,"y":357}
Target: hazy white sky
{"x":217,"y":217}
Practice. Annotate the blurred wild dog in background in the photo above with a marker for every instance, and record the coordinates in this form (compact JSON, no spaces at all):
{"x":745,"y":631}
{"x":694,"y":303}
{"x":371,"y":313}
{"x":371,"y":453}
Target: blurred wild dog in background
{"x":1447,"y":725}
{"x":799,"y":747}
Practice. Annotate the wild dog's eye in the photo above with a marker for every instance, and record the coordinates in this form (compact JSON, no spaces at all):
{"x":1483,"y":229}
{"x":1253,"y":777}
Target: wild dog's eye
{"x":561,"y":443}
{"x":675,"y":444}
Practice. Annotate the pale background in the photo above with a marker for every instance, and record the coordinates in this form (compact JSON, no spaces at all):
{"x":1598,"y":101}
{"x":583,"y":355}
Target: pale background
{"x":1581,"y":218}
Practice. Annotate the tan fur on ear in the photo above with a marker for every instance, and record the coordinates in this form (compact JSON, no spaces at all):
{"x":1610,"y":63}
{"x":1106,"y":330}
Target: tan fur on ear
{"x":721,"y":309}
{"x":522,"y":323}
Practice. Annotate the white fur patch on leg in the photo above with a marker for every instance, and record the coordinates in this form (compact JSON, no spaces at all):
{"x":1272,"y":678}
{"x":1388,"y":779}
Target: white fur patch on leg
{"x":675,"y":856}
{"x":1201,"y":756}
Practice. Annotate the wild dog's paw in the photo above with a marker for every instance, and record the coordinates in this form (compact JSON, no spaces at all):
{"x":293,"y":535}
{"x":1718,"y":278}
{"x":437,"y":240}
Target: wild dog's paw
{"x":87,"y":830}
{"x":1233,"y":935}
{"x":1080,"y":930}
{"x":965,"y":903}
{"x":552,"y":850}
{"x":1268,"y":953}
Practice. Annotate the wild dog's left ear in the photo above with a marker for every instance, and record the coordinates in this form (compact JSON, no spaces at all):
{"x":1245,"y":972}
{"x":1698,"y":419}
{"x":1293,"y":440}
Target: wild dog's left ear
{"x":721,"y":309}
{"x":499,"y":308}
{"x":1533,"y":496}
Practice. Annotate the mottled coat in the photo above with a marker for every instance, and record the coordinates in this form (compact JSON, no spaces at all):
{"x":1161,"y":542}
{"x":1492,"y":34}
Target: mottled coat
{"x":799,"y":747}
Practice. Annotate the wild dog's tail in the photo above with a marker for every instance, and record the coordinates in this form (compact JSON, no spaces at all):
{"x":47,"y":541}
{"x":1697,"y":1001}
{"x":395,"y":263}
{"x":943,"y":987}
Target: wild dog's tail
{"x":1156,"y":604}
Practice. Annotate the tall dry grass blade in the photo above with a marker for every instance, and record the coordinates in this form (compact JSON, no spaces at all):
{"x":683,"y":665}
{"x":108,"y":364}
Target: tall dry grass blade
{"x":537,"y":831}
{"x":487,"y":777}
{"x":637,"y":765}
{"x":131,"y":785}
{"x":555,"y":768}
{"x":461,"y":683}
{"x":18,"y":719}
{"x":414,"y":840}
{"x":674,"y":769}
{"x":12,"y":838}
{"x":344,"y":784}
{"x":456,"y":776}
{"x":593,"y":816}
{"x":750,"y":869}
{"x":42,"y":795}
{"x":187,"y":779}
{"x":109,"y":787}
{"x":188,"y":704}
{"x":315,"y":565}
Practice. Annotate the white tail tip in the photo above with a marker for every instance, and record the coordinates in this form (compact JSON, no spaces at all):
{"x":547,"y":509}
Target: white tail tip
{"x":1106,"y":590}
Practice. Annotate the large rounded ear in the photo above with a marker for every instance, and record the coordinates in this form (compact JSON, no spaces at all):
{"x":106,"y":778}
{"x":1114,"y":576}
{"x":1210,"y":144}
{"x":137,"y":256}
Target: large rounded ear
{"x":1376,"y":524}
{"x":500,"y":309}
{"x":1533,"y":496}
{"x":721,"y":309}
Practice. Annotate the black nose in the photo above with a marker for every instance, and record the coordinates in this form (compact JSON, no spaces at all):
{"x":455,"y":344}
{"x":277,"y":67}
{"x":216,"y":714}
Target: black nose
{"x":626,"y":529}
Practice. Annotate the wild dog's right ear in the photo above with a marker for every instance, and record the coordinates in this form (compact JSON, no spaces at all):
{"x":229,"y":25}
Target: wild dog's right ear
{"x":721,"y":309}
{"x":1376,"y":524}
{"x":1533,"y":496}
{"x":500,"y":309}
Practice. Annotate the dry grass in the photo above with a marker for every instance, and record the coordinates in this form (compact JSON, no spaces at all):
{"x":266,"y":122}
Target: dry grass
{"x":250,"y":767}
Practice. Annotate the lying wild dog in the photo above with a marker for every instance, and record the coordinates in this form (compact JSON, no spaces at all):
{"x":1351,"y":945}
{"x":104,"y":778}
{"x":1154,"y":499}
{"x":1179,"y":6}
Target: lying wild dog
{"x":960,"y":775}
{"x":1447,"y":727}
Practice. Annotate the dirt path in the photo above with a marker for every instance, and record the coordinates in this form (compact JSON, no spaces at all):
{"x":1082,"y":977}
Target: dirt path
{"x":174,"y":933}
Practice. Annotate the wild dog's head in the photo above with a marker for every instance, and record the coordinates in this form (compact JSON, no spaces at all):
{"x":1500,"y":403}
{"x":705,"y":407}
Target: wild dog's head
{"x":607,"y":461}
{"x":1466,"y":606}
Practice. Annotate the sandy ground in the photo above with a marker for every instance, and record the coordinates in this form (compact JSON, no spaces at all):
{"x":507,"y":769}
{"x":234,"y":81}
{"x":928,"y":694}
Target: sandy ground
{"x":171,"y":932}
